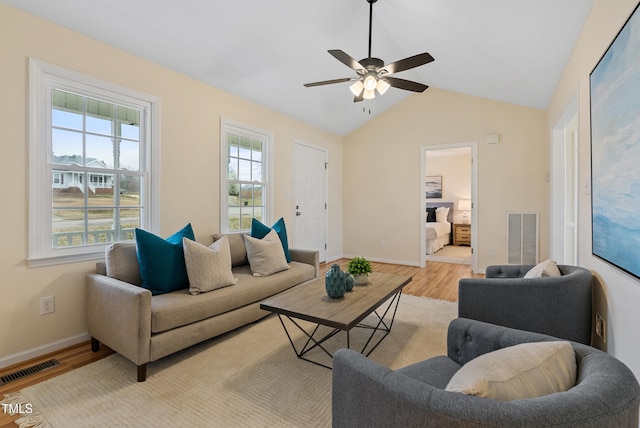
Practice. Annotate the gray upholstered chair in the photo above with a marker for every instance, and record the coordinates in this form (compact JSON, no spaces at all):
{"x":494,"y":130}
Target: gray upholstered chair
{"x":557,"y":306}
{"x":366,"y":394}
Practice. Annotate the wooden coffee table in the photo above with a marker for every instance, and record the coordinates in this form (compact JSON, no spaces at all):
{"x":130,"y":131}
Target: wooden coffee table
{"x":310,"y":302}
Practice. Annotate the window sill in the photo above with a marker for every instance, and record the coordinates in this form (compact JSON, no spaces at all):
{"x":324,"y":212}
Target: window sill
{"x":37,"y":262}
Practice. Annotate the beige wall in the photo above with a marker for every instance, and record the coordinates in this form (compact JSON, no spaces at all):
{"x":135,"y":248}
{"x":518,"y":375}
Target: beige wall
{"x":190,"y":134}
{"x":617,"y":295}
{"x":382,"y":199}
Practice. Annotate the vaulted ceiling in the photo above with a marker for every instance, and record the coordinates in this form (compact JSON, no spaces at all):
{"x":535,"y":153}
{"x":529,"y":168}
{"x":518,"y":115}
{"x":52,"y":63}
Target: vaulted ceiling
{"x":265,"y":50}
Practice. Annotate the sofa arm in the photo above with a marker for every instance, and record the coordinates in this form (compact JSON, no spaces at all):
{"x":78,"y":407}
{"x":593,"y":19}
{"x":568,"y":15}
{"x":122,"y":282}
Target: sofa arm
{"x":310,"y":257}
{"x":119,"y":315}
{"x":366,"y":394}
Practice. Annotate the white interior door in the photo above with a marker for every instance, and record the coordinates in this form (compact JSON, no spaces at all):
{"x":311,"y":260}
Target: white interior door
{"x":310,"y":196}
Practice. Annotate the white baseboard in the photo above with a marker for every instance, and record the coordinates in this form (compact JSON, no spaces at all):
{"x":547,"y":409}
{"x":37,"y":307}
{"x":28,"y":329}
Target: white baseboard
{"x":42,"y":350}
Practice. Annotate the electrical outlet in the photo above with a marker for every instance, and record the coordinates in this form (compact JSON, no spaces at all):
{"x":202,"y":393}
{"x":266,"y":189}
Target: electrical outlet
{"x":492,"y":251}
{"x":382,"y":242}
{"x":47,"y":305}
{"x":601,"y":328}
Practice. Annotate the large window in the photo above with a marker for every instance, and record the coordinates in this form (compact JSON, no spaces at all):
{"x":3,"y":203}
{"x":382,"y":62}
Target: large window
{"x":245,"y":183}
{"x":92,"y":147}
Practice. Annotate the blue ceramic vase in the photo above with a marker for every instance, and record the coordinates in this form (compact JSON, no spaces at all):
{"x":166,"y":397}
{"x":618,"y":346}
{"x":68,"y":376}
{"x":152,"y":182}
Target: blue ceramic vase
{"x":349,"y":281}
{"x":335,"y":282}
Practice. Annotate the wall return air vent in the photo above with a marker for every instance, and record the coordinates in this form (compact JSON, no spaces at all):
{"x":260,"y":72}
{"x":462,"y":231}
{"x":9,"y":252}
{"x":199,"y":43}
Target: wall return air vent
{"x":522,"y":238}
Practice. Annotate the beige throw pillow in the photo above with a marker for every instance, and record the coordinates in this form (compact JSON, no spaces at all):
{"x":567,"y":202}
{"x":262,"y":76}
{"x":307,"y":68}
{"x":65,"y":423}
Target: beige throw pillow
{"x":237,"y":248}
{"x":547,"y":268}
{"x":266,"y":255}
{"x":518,"y":372}
{"x":208,"y":268}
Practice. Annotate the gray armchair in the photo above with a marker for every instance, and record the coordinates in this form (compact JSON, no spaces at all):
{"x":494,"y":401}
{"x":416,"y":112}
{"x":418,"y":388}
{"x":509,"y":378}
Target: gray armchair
{"x":366,"y":394}
{"x":557,"y":306}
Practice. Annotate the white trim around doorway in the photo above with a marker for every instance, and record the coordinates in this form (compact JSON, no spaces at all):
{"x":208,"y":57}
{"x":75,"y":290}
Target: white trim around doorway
{"x":473,"y":145}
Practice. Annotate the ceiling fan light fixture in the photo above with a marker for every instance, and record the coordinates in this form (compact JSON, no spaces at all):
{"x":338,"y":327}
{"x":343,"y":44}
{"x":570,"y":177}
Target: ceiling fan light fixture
{"x":370,"y":83}
{"x":357,"y":87}
{"x":382,"y":86}
{"x":369,"y":94}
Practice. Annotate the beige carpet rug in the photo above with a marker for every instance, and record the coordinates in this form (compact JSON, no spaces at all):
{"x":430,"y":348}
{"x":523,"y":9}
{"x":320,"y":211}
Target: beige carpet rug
{"x":452,"y":254}
{"x":248,"y":378}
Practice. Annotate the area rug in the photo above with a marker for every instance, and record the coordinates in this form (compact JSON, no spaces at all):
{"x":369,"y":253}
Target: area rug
{"x":250,"y":377}
{"x":451,"y":254}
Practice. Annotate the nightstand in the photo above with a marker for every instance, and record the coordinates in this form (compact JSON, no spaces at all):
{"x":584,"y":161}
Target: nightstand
{"x":461,"y":234}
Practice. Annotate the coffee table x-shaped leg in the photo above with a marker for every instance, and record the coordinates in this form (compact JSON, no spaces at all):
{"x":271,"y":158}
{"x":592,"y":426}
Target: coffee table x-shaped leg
{"x":313,"y":341}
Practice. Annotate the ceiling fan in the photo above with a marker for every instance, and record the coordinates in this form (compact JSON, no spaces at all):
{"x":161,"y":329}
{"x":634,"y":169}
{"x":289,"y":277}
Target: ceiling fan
{"x":373,"y":74}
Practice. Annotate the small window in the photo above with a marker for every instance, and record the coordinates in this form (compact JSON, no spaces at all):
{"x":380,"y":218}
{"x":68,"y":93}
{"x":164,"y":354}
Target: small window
{"x":245,"y":184}
{"x":94,"y":145}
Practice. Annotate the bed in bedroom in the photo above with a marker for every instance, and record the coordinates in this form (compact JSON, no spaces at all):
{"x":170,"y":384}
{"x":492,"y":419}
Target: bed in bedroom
{"x":438,"y":225}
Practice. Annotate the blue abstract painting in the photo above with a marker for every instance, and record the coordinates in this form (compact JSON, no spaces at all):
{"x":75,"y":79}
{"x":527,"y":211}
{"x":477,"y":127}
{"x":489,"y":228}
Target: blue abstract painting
{"x":615,"y":150}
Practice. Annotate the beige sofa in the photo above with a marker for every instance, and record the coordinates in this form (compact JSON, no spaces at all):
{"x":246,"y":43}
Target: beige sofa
{"x":145,"y":328}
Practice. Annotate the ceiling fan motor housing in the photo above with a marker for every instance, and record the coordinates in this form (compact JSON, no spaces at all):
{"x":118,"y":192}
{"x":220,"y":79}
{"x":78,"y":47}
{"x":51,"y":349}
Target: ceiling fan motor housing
{"x":371,"y":63}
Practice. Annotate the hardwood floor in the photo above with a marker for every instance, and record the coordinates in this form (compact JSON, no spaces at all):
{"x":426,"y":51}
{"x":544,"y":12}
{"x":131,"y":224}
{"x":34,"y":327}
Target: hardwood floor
{"x":437,"y":280}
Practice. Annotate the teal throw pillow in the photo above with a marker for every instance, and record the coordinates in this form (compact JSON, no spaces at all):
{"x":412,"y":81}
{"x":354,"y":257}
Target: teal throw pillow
{"x":260,"y":230}
{"x":162,"y":265}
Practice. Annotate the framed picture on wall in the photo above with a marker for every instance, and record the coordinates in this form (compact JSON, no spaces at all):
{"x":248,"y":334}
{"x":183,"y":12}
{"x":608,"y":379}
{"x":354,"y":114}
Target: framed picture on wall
{"x":434,"y":187}
{"x":615,"y":150}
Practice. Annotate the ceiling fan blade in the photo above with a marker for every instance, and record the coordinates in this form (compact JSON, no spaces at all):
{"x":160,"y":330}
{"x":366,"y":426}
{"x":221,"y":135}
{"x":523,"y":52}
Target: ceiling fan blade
{"x":346,"y":60}
{"x":407,"y":63}
{"x":328,"y":82}
{"x":407,"y":85}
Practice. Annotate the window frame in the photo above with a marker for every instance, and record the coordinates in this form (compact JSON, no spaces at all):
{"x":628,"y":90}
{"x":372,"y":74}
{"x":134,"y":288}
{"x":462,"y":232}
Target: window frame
{"x":228,"y":126}
{"x":42,"y":78}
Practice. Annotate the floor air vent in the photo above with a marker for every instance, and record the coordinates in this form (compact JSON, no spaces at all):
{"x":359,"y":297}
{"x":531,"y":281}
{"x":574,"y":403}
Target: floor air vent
{"x":28,"y":371}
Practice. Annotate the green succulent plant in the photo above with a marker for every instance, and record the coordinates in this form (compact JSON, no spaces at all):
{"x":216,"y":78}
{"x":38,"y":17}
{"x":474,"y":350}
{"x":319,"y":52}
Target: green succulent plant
{"x":359,"y":266}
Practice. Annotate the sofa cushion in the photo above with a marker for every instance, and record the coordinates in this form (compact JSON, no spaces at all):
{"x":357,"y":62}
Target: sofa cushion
{"x":162,"y":266}
{"x":260,"y":230}
{"x":236,"y":245}
{"x":180,"y":308}
{"x":518,"y":372}
{"x":265,"y":255}
{"x":547,"y":268}
{"x":209,"y":267}
{"x":436,"y":371}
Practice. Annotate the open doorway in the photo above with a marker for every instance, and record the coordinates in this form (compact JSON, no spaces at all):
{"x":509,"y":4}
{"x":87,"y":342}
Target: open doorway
{"x":564,"y":187}
{"x":448,"y":230}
